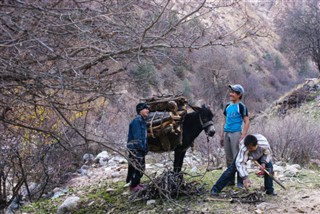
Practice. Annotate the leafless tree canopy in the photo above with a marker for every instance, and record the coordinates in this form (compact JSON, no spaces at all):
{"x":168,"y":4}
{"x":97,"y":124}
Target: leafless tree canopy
{"x":300,"y":31}
{"x":61,"y":60}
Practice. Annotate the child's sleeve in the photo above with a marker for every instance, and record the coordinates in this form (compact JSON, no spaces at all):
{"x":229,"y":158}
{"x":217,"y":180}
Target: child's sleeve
{"x":225,"y":109}
{"x":243,"y":110}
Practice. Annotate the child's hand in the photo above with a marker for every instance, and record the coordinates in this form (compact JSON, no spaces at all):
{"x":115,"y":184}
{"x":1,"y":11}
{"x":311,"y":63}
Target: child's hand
{"x":261,"y":172}
{"x":241,"y":138}
{"x":246,"y":183}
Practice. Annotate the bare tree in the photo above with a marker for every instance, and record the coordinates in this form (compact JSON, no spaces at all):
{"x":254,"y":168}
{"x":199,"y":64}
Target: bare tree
{"x":61,"y":60}
{"x":300,"y":30}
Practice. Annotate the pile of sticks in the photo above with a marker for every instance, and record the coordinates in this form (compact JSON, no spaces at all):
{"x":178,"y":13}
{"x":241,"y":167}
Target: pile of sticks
{"x":169,"y":185}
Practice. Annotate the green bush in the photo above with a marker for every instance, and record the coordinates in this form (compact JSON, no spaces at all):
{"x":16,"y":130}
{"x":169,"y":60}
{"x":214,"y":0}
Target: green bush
{"x":145,"y":75}
{"x":179,"y":72}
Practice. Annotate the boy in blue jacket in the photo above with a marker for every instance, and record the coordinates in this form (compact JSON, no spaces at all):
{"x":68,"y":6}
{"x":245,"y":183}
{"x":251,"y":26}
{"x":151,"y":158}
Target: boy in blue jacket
{"x":138,"y":147}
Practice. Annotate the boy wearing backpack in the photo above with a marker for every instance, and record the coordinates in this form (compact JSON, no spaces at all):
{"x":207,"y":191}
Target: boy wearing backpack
{"x":236,"y":114}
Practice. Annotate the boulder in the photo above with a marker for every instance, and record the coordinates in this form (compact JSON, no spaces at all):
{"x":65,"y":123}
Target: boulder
{"x":277,"y":168}
{"x":112,"y":162}
{"x":70,"y":204}
{"x":102,"y":158}
{"x":87,"y":158}
{"x":292,"y":170}
{"x":119,"y":159}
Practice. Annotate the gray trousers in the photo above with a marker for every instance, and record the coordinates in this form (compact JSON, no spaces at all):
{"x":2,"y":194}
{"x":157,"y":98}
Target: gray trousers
{"x":231,"y":147}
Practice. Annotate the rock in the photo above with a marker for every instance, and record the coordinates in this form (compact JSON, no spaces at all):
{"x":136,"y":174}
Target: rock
{"x":57,"y":192}
{"x":119,"y":159}
{"x":292,"y":170}
{"x":188,"y":160}
{"x":277,"y":168}
{"x":85,"y":167}
{"x":258,"y":211}
{"x":125,"y":193}
{"x":297,"y":166}
{"x":110,"y":190}
{"x":150,"y":202}
{"x":194,"y":169}
{"x":70,"y":204}
{"x":103,"y":162}
{"x":263,"y":206}
{"x":112,"y":162}
{"x":102,"y":158}
{"x":115,"y":175}
{"x":14,"y":205}
{"x":33,"y":188}
{"x":82,"y":171}
{"x":87,"y":158}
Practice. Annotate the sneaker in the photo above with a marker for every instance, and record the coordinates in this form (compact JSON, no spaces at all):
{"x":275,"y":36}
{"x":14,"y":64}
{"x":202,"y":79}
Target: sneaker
{"x":239,"y":185}
{"x":136,"y":188}
{"x":271,"y":193}
{"x":214,"y":193}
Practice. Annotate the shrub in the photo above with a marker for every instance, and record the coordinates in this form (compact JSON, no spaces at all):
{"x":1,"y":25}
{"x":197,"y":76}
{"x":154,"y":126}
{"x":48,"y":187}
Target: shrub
{"x":145,"y":75}
{"x":293,"y":138}
{"x":179,"y":72}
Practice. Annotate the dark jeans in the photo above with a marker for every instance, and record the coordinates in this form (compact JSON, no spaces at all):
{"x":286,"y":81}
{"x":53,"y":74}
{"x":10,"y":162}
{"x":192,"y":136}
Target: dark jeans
{"x":136,"y":167}
{"x":228,"y":175}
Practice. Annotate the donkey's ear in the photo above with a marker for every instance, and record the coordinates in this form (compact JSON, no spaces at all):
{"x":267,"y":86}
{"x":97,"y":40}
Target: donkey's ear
{"x":195,"y":108}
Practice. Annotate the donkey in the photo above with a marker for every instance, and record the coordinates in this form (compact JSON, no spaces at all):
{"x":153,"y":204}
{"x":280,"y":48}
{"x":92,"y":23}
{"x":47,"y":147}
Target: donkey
{"x":194,"y":123}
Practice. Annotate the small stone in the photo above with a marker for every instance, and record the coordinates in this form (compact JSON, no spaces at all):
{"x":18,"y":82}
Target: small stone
{"x":258,"y":211}
{"x":125,"y":193}
{"x":87,"y":158}
{"x":150,"y":202}
{"x":119,"y":159}
{"x":85,"y":167}
{"x":194,"y":169}
{"x":263,"y":206}
{"x":69,"y":205}
{"x":91,"y":203}
{"x":110,"y":190}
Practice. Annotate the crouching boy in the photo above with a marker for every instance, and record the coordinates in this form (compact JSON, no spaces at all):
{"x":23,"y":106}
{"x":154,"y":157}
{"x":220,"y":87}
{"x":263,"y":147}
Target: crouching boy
{"x":252,"y":147}
{"x":137,"y":147}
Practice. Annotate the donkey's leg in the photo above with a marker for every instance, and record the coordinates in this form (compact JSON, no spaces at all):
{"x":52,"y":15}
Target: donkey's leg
{"x":178,"y":160}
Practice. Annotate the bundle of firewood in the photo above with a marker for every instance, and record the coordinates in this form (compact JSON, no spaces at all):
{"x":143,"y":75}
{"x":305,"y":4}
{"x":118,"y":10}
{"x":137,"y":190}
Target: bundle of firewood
{"x":169,"y":185}
{"x":165,"y":122}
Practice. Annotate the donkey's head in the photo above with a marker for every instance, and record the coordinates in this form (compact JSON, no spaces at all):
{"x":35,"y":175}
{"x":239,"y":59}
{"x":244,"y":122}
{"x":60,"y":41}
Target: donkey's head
{"x":206,"y":119}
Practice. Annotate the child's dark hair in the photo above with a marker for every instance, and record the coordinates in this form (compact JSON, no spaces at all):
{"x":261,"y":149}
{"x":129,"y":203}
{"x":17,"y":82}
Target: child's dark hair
{"x":250,"y":140}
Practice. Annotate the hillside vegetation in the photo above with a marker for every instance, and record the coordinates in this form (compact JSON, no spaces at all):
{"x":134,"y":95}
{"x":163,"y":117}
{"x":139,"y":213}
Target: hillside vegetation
{"x":72,"y":72}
